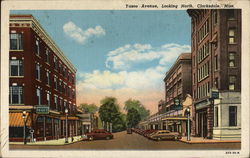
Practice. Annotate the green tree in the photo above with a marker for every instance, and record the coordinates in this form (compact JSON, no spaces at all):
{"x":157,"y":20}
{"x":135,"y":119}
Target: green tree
{"x":88,"y":108}
{"x":133,"y":117}
{"x":109,"y":112}
{"x":136,"y":104}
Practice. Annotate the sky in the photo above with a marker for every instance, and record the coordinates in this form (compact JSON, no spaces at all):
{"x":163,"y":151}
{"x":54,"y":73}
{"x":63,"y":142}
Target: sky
{"x":119,"y":53}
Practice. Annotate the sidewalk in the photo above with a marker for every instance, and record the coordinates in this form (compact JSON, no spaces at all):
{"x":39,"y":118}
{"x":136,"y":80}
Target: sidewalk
{"x":52,"y":142}
{"x":201,"y":140}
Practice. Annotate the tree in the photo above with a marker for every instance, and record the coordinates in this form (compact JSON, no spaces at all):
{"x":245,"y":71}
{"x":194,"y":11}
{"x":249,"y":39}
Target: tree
{"x":133,"y":117}
{"x":88,"y":108}
{"x":109,"y":112}
{"x":136,"y":104}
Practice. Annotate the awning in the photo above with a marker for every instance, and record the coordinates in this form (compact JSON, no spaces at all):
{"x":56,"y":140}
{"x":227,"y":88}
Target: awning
{"x":174,"y":118}
{"x":16,"y":120}
{"x":69,"y":118}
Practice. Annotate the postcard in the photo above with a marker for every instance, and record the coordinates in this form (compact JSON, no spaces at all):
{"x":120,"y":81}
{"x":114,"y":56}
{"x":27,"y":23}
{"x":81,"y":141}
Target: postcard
{"x":124,"y":78}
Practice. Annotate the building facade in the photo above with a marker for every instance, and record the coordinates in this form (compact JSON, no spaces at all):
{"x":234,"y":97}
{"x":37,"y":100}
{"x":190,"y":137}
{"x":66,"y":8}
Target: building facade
{"x":177,"y":86}
{"x":41,"y":83}
{"x":216,"y":68}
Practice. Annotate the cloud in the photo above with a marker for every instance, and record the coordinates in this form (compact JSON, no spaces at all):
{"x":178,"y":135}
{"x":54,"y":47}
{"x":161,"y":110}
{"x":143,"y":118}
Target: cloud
{"x":80,"y":35}
{"x":145,"y":84}
{"x":125,"y":57}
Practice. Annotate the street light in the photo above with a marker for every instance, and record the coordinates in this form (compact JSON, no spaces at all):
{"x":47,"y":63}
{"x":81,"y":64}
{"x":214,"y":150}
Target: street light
{"x":24,"y":127}
{"x":188,"y":121}
{"x":66,"y":112}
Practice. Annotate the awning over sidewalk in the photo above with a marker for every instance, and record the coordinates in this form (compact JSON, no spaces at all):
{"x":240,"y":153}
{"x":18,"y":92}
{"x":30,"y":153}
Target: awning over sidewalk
{"x":16,"y":120}
{"x":174,"y":118}
{"x":69,"y":118}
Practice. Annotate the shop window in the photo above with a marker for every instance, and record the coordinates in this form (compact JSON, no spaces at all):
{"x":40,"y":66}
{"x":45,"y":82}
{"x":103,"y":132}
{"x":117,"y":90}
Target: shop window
{"x":16,"y":68}
{"x":16,"y":95}
{"x":232,"y":115}
{"x":16,"y":42}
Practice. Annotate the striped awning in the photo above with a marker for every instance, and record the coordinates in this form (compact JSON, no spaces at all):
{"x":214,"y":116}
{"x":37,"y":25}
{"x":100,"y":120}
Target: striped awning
{"x":16,"y":119}
{"x":69,"y":118}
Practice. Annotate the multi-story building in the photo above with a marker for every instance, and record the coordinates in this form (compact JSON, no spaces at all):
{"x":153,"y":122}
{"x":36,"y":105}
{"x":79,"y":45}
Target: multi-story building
{"x":41,"y":83}
{"x":216,"y":66}
{"x":177,"y":86}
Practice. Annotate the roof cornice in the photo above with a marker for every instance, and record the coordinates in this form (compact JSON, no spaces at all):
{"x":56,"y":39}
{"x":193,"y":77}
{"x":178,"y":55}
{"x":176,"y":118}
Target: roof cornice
{"x":34,"y":24}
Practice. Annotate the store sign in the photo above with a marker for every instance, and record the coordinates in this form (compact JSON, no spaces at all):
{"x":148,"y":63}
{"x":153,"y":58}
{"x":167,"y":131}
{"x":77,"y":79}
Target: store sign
{"x":177,"y":102}
{"x":42,"y":110}
{"x":215,"y":95}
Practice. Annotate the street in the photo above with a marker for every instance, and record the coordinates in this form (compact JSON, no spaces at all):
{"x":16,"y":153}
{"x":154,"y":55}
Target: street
{"x":124,"y":141}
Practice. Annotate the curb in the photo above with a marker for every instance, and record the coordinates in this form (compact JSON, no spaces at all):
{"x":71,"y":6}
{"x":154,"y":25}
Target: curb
{"x":202,"y":142}
{"x":46,"y":144}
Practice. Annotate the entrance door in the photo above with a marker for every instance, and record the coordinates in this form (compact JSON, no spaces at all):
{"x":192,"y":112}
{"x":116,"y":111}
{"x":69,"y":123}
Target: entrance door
{"x":204,"y":124}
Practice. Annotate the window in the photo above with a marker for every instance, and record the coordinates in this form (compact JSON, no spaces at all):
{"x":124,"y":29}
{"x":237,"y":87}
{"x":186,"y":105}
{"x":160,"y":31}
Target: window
{"x":216,"y":84}
{"x":216,"y":116}
{"x":55,"y":82}
{"x":60,"y":86}
{"x":215,"y":17}
{"x":48,"y":98}
{"x":55,"y":63}
{"x":47,"y":78}
{"x":231,"y":57}
{"x":16,"y":95}
{"x":38,"y":95}
{"x":232,"y":115}
{"x":231,"y":36}
{"x":55,"y":101}
{"x":38,"y":73}
{"x":16,"y":41}
{"x":47,"y":56}
{"x":16,"y":68}
{"x":61,"y":105}
{"x":232,"y":82}
{"x":64,"y":73}
{"x":37,"y":48}
{"x":216,"y":62}
{"x":231,"y":15}
{"x":60,"y":67}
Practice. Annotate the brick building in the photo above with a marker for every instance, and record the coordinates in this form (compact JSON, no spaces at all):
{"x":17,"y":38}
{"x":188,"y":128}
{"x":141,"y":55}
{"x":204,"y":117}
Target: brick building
{"x":216,"y":66}
{"x":41,"y":83}
{"x":177,"y":86}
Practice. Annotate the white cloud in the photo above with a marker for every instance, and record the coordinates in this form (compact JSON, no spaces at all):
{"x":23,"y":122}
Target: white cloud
{"x":80,"y":35}
{"x":124,"y":57}
{"x":145,"y":84}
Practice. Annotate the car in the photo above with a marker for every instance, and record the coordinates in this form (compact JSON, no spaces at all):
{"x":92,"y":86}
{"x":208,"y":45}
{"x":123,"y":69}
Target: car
{"x":165,"y":135}
{"x":99,"y":134}
{"x":129,"y":131}
{"x":149,"y":132}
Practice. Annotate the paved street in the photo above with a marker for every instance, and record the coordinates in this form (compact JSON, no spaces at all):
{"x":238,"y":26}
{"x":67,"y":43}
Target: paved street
{"x":124,"y":141}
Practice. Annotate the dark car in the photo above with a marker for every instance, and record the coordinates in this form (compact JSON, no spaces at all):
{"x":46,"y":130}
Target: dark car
{"x":99,"y":134}
{"x":129,"y":131}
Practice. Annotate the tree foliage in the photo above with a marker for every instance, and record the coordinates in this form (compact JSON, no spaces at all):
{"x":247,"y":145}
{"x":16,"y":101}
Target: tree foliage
{"x":133,"y":117}
{"x":109,"y":112}
{"x":136,"y":104}
{"x":88,"y":108}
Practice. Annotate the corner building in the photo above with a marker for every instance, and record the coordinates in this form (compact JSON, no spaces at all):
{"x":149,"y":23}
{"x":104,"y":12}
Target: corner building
{"x":216,"y":66}
{"x":41,"y":83}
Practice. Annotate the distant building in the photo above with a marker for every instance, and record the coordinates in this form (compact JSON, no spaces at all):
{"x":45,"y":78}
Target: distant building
{"x":216,"y":66}
{"x":42,"y":83}
{"x":178,"y":84}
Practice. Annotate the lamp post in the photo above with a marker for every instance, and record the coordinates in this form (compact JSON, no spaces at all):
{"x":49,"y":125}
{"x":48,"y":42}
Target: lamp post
{"x":24,"y":127}
{"x":188,"y":123}
{"x":66,"y":112}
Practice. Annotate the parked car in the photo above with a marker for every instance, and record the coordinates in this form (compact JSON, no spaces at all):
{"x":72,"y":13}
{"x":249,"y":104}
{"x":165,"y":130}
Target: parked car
{"x":129,"y":131}
{"x":149,"y":132}
{"x":99,"y":134}
{"x":165,"y":135}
